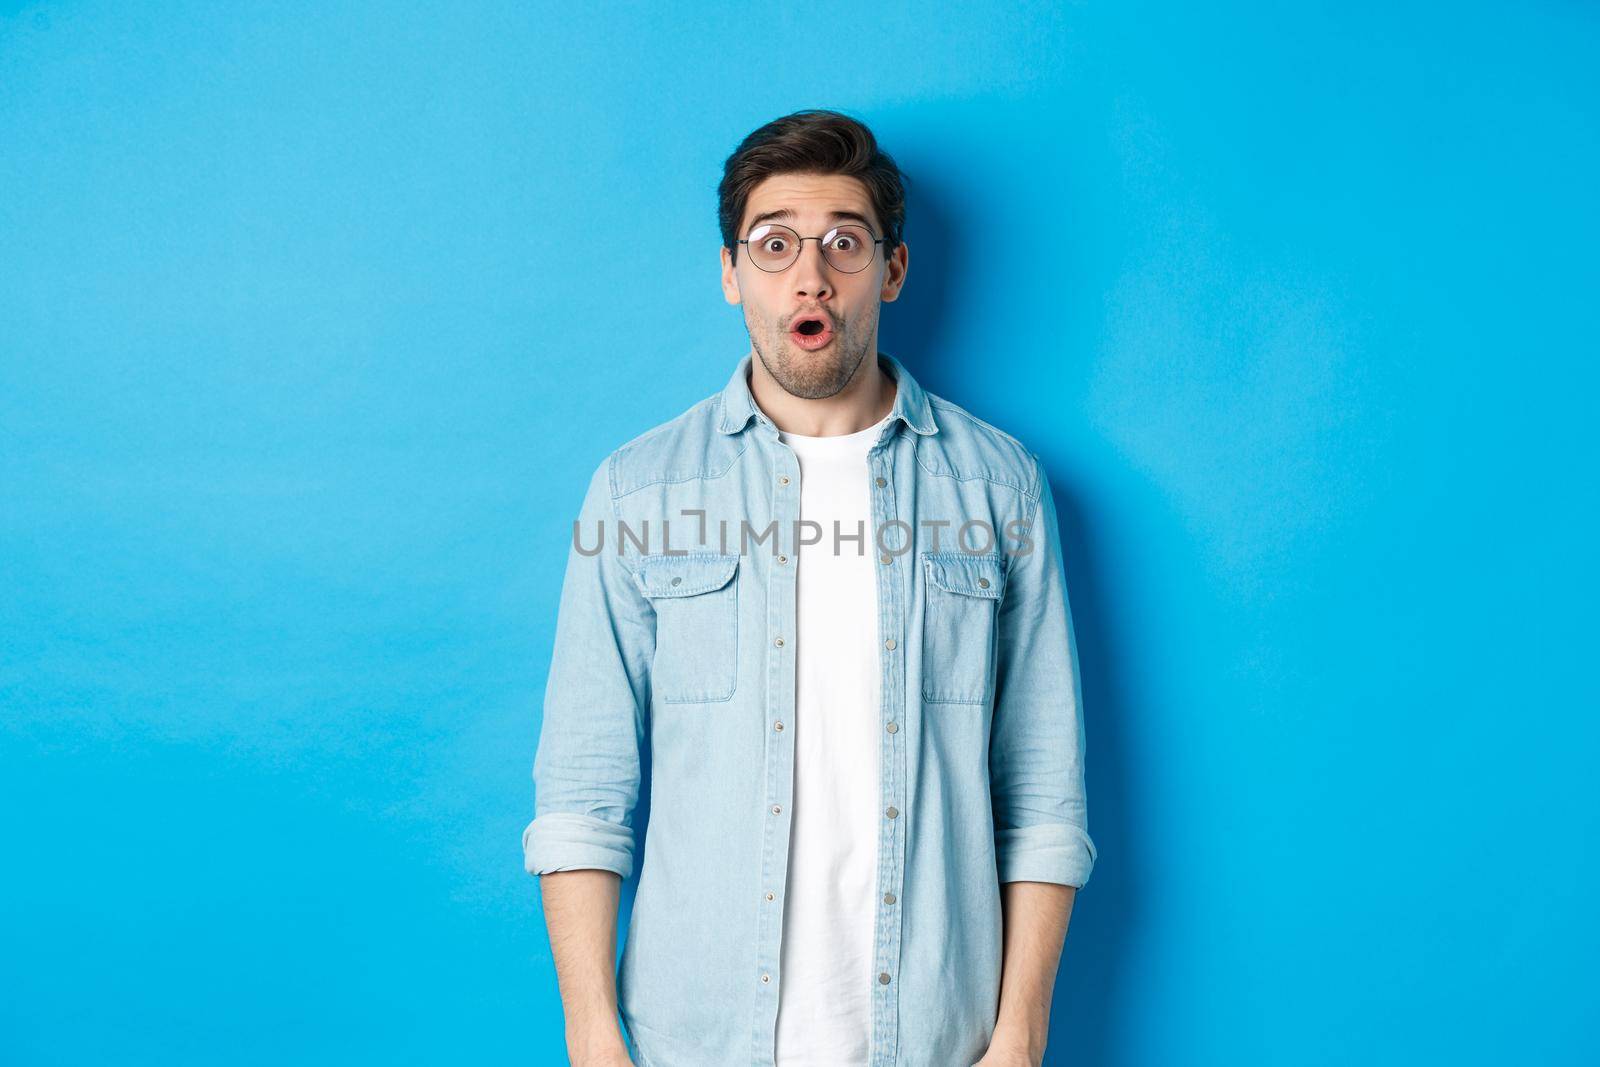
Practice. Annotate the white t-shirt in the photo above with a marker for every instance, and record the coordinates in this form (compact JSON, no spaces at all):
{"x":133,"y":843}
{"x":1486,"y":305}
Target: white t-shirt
{"x":826,"y":958}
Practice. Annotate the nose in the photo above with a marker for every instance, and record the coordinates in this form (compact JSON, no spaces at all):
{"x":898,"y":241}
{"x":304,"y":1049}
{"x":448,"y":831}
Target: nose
{"x":811,"y":275}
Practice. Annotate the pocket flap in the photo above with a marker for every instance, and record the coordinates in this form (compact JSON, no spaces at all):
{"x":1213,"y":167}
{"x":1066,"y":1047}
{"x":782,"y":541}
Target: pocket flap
{"x":966,"y":573}
{"x":687,"y":575}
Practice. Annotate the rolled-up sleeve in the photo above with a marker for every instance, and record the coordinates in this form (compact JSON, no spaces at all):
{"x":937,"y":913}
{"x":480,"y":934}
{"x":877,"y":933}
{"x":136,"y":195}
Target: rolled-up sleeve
{"x":1036,"y":745}
{"x":586,"y":770}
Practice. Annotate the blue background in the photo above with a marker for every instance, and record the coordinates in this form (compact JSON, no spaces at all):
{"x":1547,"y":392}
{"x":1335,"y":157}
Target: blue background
{"x":313,"y":324}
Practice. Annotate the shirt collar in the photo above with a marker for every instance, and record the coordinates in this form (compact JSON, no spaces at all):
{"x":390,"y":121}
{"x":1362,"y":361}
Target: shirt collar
{"x":910,"y":402}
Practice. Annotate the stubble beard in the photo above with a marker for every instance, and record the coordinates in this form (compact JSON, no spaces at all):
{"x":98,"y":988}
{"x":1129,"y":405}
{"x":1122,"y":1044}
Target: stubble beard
{"x":812,"y":375}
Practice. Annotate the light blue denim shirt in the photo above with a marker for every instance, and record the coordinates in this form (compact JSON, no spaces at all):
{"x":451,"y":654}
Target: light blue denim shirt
{"x":674,"y":650}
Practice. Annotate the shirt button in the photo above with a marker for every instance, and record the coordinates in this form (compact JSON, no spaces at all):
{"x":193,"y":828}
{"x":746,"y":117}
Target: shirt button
{"x":891,"y":812}
{"x":778,"y":726}
{"x":983,"y":583}
{"x":778,"y":641}
{"x":892,"y":727}
{"x":885,"y":558}
{"x":883,"y":977}
{"x":777,"y":809}
{"x":677,"y":581}
{"x":888,"y":898}
{"x":783,"y":479}
{"x":889,"y":644}
{"x":881,"y":482}
{"x":768,"y":977}
{"x":770,"y":897}
{"x":783,"y":559}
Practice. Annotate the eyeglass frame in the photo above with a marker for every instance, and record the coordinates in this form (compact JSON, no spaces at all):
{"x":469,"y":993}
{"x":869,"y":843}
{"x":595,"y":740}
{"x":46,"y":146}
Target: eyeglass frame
{"x":801,"y":242}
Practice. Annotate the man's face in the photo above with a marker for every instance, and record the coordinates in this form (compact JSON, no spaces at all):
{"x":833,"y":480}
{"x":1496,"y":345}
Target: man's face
{"x":775,"y":304}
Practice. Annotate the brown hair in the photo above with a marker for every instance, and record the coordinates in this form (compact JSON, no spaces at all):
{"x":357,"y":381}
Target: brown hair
{"x":812,"y":142}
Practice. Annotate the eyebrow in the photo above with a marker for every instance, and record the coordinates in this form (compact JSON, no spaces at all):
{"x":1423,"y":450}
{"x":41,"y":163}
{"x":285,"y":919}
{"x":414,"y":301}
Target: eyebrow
{"x":788,"y":215}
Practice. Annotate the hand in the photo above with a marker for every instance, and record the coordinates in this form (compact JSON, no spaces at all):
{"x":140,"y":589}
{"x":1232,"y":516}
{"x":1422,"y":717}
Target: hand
{"x":609,"y":1051}
{"x":612,"y":1059}
{"x":1003,"y":1053}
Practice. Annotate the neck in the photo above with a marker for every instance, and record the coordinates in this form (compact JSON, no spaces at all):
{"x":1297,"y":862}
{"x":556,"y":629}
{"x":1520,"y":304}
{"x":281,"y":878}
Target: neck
{"x":865,"y":400}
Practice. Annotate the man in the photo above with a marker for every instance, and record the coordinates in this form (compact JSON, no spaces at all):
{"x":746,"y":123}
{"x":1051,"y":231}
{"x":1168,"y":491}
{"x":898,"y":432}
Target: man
{"x":831,"y":608}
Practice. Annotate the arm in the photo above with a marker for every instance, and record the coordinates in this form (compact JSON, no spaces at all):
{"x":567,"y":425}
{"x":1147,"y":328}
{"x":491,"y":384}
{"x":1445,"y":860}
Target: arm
{"x":1043,"y":850}
{"x":587,"y":773}
{"x":1036,"y":737}
{"x":580,"y":912}
{"x":1036,"y":918}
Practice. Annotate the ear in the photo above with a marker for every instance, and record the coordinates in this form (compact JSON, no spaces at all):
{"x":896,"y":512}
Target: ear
{"x":730,"y":278}
{"x":894,"y":274}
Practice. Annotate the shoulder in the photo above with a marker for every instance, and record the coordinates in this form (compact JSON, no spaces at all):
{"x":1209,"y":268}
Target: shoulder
{"x":687,"y":446}
{"x":967,"y":447}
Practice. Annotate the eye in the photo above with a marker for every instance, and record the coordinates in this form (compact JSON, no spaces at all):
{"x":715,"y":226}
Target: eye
{"x":844,"y":242}
{"x":773,"y":244}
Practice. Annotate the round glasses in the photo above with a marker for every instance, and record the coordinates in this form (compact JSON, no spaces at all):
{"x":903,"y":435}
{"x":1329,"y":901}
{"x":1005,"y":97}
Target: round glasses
{"x":773,"y":247}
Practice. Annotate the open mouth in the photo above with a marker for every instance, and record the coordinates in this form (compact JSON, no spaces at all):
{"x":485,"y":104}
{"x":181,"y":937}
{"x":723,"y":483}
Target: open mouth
{"x":811,"y":332}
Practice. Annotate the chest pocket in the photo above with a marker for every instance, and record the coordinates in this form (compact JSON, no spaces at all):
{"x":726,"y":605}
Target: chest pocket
{"x":696,"y":598}
{"x":959,"y":624}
